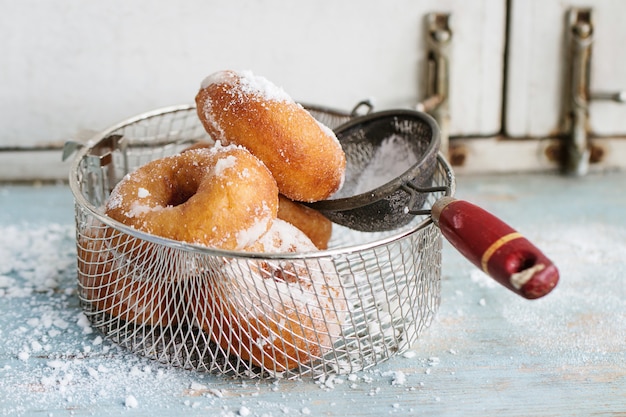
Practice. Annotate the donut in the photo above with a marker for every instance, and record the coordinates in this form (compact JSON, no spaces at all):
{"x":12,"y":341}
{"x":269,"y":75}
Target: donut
{"x":273,"y":314}
{"x":113,"y":282}
{"x":303,"y":155}
{"x":222,"y":197}
{"x":314,"y":224}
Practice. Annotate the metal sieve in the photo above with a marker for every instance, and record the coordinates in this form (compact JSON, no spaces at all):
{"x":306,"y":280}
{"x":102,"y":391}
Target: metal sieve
{"x":407,"y":169}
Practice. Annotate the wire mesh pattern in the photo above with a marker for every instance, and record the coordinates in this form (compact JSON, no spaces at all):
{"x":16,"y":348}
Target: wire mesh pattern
{"x":341,"y":310}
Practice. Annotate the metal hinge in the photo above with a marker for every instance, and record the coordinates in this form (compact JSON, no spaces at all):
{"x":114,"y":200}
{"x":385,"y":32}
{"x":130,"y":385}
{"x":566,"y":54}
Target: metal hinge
{"x":438,"y":37}
{"x":577,"y":95}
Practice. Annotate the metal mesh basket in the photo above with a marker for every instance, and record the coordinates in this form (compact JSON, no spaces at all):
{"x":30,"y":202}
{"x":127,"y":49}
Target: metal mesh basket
{"x":340,"y":310}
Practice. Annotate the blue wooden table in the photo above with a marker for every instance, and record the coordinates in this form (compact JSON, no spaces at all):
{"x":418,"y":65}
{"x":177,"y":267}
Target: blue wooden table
{"x":488,"y":353}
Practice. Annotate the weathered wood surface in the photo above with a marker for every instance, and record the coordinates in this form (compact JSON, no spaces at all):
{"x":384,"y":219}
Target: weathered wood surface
{"x":489,"y":351}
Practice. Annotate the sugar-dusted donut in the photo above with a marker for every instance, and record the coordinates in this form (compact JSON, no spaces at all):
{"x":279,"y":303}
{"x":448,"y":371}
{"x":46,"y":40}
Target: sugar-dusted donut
{"x":221,"y":197}
{"x":310,"y":221}
{"x":278,"y":314}
{"x":304,"y":156}
{"x":313,"y":223}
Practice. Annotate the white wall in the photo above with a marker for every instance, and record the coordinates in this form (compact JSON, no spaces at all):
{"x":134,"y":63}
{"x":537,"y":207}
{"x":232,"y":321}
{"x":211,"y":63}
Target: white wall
{"x":72,"y":65}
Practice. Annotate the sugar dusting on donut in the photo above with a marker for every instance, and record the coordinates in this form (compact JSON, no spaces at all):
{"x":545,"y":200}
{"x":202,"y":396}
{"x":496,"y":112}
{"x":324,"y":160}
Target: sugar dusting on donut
{"x":224,"y":163}
{"x":249,"y":84}
{"x":137,"y":209}
{"x":311,"y":222}
{"x":252,"y":234}
{"x":284,"y":237}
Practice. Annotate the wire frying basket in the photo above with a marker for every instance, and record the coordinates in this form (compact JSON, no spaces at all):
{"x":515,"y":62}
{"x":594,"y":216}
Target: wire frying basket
{"x":341,"y":310}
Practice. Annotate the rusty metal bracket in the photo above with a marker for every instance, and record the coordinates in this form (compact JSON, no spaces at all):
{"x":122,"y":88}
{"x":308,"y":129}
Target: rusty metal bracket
{"x":436,"y":102}
{"x":579,"y":36}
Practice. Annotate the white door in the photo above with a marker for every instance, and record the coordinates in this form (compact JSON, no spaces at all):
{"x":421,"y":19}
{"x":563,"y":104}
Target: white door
{"x":538,"y":65}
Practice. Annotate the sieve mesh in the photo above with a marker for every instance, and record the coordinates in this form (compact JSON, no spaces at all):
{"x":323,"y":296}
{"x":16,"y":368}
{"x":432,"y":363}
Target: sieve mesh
{"x":391,"y":157}
{"x":341,"y":310}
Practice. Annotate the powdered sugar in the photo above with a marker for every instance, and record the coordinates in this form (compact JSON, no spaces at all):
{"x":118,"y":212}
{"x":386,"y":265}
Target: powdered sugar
{"x":31,"y":256}
{"x":116,"y":200}
{"x":249,"y":84}
{"x":51,"y":357}
{"x":138,"y":209}
{"x":131,"y":402}
{"x":283,"y":237}
{"x":142,"y":192}
{"x":225,"y":163}
{"x":222,"y":147}
{"x":328,"y":131}
{"x":256,"y":84}
{"x":259,"y":227}
{"x":246,"y":86}
{"x":572,"y":338}
{"x":596,"y":324}
{"x":392,"y":158}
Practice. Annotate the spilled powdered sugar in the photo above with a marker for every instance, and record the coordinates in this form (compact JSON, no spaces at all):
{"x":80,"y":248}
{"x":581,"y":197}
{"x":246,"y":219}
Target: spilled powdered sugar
{"x":30,"y":259}
{"x":588,"y":256}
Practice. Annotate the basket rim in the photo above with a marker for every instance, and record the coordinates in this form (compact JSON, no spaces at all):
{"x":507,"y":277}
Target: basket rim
{"x":81,"y":201}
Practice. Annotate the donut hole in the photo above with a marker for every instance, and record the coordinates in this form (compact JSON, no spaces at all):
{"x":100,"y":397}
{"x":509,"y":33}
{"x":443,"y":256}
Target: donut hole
{"x":181,"y":191}
{"x":180,"y":196}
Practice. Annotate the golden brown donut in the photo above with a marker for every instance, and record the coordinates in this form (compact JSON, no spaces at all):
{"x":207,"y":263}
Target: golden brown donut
{"x":304,"y":156}
{"x":274,"y":314}
{"x":313,"y":223}
{"x":222,"y":197}
{"x":113,"y":281}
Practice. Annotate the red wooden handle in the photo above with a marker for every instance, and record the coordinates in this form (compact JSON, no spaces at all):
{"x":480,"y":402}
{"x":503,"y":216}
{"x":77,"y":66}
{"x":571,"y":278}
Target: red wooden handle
{"x":495,"y":247}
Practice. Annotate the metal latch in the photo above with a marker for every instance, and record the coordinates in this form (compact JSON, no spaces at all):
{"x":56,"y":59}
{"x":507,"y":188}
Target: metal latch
{"x":577,"y":95}
{"x":436,"y":102}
